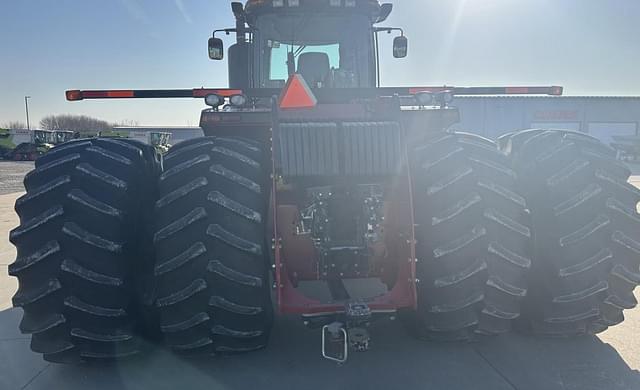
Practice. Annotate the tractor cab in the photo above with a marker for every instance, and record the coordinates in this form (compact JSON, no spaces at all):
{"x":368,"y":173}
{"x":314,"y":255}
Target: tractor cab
{"x":62,"y":136}
{"x":332,"y":44}
{"x":330,"y":52}
{"x":43,"y":137}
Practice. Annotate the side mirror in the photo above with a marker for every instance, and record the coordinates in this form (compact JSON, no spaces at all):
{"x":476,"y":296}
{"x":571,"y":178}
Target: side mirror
{"x":216,"y":49}
{"x":400,"y":46}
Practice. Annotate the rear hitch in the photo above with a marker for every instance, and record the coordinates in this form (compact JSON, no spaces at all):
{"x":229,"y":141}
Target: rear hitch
{"x":335,"y":342}
{"x":338,"y":337}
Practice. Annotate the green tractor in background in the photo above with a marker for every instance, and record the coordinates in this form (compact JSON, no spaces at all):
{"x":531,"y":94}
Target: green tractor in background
{"x":28,"y":145}
{"x":158,"y":139}
{"x":5,"y":142}
{"x":62,"y":136}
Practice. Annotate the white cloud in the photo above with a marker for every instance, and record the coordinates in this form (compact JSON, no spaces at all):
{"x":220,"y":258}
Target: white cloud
{"x":183,"y":11}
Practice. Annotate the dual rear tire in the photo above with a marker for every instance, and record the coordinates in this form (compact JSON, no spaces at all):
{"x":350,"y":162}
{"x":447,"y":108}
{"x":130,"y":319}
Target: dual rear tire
{"x":111,"y":250}
{"x":587,"y":231}
{"x":79,"y":253}
{"x":473,"y":238}
{"x":211,"y":272}
{"x":544,"y":234}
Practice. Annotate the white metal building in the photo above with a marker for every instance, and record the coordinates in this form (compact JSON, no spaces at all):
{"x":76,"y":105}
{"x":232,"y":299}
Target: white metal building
{"x":600,"y":116}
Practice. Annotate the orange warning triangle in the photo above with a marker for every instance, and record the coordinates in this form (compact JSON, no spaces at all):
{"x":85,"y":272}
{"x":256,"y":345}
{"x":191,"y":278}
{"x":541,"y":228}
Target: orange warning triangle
{"x":297,"y":94}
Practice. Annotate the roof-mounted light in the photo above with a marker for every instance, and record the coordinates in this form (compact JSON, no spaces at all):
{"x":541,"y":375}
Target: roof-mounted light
{"x":447,"y":96}
{"x":350,"y":3}
{"x":335,"y":3}
{"x":238,"y":100}
{"x":213,"y":100}
{"x":277,"y":3}
{"x":444,"y":97}
{"x":293,"y":3}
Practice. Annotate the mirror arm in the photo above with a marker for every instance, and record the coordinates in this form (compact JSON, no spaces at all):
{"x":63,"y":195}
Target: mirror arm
{"x":388,"y":30}
{"x":227,"y":31}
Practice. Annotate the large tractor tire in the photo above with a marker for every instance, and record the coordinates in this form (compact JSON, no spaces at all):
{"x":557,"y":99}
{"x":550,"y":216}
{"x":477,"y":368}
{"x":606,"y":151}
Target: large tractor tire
{"x":211,"y":271}
{"x":586,"y":228}
{"x":78,"y":253}
{"x":473,"y":238}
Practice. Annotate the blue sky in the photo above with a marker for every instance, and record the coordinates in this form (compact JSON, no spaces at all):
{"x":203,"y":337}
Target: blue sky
{"x":592,"y":47}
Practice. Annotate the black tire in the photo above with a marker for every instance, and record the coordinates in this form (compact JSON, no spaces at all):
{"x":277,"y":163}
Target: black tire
{"x":78,"y":249}
{"x":212,"y":264}
{"x":586,"y":228}
{"x":472,"y":238}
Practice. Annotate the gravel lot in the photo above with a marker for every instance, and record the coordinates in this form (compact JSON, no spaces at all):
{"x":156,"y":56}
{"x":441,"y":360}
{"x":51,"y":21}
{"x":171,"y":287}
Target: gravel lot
{"x":11,"y":175}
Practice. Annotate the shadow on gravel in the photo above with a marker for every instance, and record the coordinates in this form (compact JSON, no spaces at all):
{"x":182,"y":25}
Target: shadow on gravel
{"x":293,"y":361}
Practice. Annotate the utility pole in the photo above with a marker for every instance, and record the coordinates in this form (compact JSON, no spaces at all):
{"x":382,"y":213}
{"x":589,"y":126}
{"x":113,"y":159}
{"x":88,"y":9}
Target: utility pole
{"x":26,"y":107}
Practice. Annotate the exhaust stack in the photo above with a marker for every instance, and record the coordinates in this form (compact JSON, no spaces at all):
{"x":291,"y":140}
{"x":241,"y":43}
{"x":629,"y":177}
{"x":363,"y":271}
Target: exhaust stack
{"x":241,"y":21}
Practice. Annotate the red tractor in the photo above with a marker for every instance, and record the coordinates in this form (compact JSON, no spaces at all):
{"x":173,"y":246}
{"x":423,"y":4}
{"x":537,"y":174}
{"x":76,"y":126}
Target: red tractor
{"x":346,"y":201}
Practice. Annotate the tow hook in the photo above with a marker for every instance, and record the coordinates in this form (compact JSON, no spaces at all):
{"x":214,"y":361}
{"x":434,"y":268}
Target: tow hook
{"x":338,"y":337}
{"x":335,"y":342}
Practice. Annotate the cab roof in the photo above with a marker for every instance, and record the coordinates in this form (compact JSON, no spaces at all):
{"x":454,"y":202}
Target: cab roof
{"x":254,"y":8}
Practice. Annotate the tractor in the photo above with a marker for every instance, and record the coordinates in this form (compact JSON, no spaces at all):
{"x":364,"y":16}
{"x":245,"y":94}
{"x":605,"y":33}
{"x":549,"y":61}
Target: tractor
{"x":62,"y":136}
{"x":345,"y":202}
{"x":28,"y":145}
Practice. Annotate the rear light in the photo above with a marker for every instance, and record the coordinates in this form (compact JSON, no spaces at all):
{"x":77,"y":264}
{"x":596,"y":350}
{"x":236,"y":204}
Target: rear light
{"x":238,"y":100}
{"x":277,"y":3}
{"x":447,"y":96}
{"x":73,"y":95}
{"x":213,"y":100}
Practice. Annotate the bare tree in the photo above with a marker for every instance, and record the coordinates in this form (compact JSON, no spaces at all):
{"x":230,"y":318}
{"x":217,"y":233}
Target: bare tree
{"x":13,"y":125}
{"x":79,"y":123}
{"x":126,"y":123}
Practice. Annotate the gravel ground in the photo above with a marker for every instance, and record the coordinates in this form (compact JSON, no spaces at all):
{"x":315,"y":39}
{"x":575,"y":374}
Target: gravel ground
{"x":11,"y":175}
{"x":8,"y":221}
